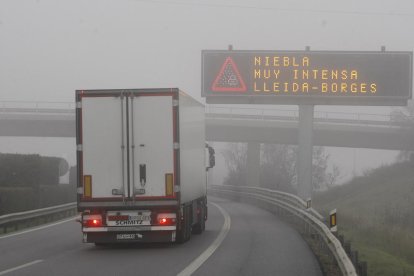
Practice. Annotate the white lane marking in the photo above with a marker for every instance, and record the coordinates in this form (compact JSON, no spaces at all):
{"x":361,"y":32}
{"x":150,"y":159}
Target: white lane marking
{"x":37,"y":228}
{"x":191,"y":268}
{"x":20,"y":267}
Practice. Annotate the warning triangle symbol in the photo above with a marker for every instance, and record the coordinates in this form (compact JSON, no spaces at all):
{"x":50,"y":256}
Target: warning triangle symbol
{"x":229,"y":78}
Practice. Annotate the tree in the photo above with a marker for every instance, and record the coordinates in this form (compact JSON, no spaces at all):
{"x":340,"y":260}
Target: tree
{"x":319,"y":168}
{"x":405,"y":118}
{"x":278,"y":167}
{"x":333,"y":176}
{"x":28,"y":170}
{"x":235,"y":158}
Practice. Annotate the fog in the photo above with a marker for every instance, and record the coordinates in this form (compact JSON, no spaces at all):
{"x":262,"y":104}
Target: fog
{"x":50,"y":48}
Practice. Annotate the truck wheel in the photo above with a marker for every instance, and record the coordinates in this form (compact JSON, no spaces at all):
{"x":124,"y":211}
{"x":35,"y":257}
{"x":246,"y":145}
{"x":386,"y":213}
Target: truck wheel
{"x":184,"y":233}
{"x":200,"y":226}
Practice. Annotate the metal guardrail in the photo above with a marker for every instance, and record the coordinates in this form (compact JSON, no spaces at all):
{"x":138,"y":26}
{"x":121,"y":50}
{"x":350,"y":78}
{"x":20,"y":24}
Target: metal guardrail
{"x":295,"y":206}
{"x":15,"y":219}
{"x":289,"y":198}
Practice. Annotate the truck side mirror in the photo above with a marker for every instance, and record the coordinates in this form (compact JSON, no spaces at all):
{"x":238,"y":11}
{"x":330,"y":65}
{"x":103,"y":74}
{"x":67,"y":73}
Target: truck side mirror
{"x":211,"y":157}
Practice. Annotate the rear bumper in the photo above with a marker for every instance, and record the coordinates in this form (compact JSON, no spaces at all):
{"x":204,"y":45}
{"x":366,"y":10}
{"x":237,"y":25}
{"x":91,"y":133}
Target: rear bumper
{"x":128,"y":229}
{"x":129,"y":236}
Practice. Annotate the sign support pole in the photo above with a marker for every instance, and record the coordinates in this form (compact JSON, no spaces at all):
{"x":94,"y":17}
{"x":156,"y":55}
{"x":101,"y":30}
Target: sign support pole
{"x":305,"y":150}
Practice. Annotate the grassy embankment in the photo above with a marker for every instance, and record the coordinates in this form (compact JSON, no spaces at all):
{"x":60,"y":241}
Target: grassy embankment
{"x":376,"y":213}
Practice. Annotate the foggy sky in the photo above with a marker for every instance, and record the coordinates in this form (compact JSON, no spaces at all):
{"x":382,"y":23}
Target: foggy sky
{"x":49,"y":48}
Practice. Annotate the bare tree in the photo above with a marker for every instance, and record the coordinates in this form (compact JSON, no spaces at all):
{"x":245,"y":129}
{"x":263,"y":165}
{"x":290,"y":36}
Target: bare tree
{"x":278,"y":167}
{"x":405,"y":117}
{"x":319,"y":168}
{"x":334,"y":176}
{"x":235,"y":158}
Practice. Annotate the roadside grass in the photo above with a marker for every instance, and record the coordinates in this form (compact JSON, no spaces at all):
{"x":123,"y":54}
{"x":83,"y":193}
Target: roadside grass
{"x":377,"y":254}
{"x":376,"y":213}
{"x":383,"y":264}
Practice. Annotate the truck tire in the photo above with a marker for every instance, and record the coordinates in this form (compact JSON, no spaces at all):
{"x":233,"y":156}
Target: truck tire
{"x":200,"y":226}
{"x":184,"y":233}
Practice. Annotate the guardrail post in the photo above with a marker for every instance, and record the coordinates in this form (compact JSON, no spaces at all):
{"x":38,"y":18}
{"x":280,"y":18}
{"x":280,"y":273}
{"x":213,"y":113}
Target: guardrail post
{"x":363,"y":269}
{"x":354,"y":257}
{"x":347,"y":247}
{"x":341,"y":239}
{"x":308,"y":203}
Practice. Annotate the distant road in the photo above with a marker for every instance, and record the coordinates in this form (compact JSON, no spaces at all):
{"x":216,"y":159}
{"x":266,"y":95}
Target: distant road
{"x":258,"y":243}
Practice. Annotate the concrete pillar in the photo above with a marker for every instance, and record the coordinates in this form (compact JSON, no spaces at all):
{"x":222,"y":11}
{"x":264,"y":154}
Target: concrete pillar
{"x":305,"y":150}
{"x":253,"y":164}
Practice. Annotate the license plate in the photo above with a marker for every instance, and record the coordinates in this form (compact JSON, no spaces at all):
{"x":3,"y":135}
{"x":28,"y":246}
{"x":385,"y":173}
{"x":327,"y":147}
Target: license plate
{"x":128,"y":218}
{"x":128,"y":236}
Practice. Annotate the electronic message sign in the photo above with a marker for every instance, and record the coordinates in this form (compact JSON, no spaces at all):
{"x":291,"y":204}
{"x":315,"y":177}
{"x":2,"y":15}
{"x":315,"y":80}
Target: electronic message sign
{"x":307,"y":77}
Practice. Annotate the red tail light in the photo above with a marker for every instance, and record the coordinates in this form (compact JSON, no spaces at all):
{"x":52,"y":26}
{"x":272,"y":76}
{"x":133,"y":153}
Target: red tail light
{"x":166,"y":219}
{"x":92,"y":220}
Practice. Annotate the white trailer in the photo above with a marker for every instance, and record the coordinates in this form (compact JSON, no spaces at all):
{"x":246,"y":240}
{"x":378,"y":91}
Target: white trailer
{"x":141,"y":158}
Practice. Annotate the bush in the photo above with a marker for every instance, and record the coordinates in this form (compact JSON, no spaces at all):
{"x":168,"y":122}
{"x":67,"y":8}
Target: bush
{"x":30,"y":181}
{"x":28,"y":170}
{"x":17,"y":199}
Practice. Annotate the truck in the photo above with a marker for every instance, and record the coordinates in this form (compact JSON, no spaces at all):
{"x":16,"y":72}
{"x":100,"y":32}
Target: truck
{"x":141,"y":164}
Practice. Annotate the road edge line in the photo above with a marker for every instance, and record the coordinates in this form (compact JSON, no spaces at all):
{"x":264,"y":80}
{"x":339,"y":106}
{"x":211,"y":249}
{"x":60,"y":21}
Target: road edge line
{"x":194,"y":265}
{"x":20,"y":267}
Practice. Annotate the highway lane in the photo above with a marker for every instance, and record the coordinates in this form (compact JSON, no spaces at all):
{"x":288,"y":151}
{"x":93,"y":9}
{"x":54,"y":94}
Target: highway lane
{"x":257,"y":244}
{"x":62,"y":253}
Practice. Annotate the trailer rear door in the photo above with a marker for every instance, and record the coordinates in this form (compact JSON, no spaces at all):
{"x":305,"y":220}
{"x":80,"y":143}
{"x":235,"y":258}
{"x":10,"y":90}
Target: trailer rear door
{"x":152,"y":159}
{"x":104,"y":159}
{"x":127,"y":146}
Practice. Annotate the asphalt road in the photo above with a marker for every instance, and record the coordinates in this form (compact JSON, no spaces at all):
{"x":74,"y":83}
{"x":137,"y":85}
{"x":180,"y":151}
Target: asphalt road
{"x":258,"y":243}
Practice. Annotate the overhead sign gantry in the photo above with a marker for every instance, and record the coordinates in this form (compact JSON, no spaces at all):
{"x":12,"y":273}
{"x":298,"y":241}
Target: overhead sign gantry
{"x":307,"y":77}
